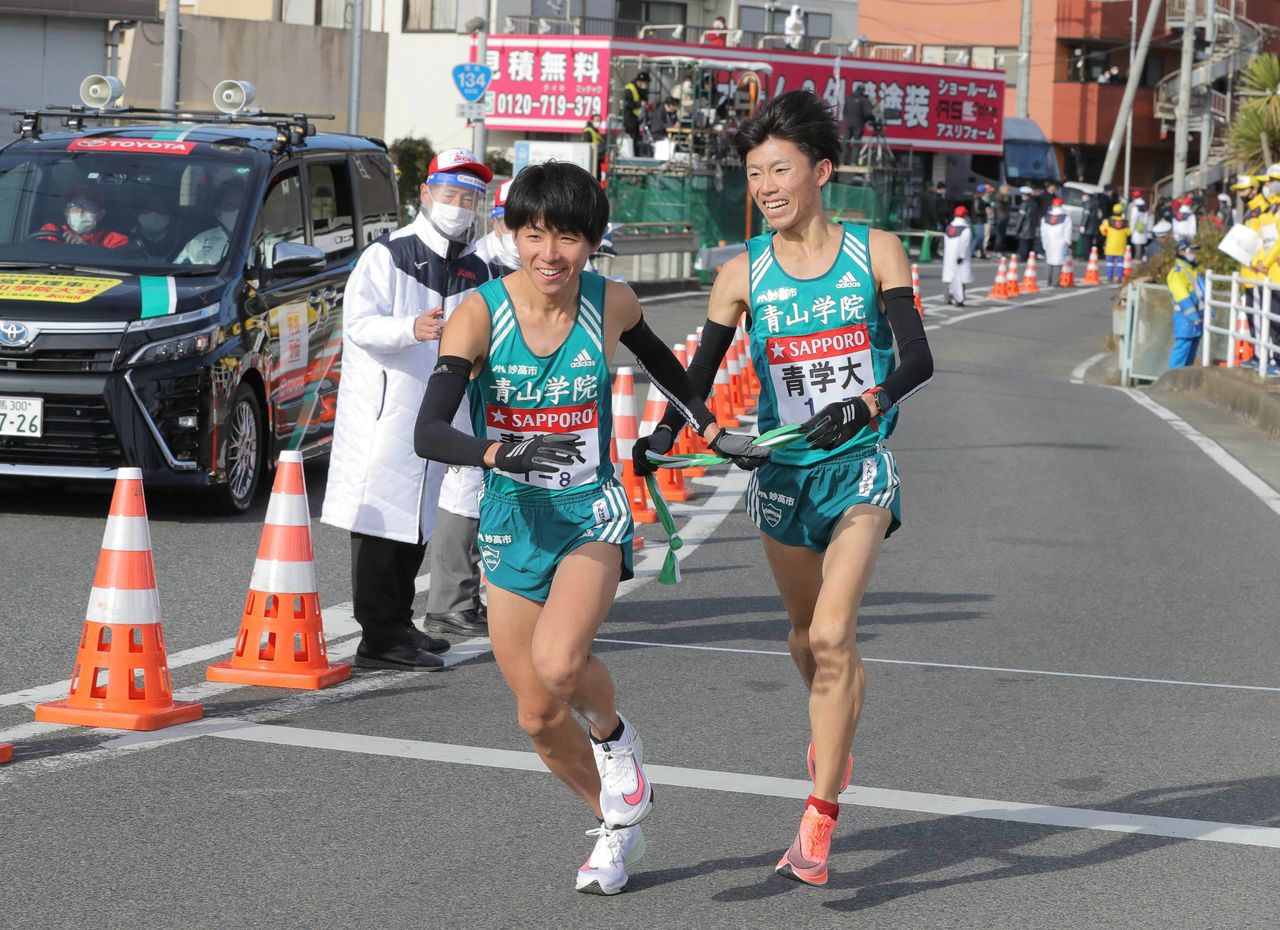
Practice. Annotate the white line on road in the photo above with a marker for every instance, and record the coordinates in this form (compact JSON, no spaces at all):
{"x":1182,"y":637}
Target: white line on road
{"x":967,"y":668}
{"x":709,"y":780}
{"x":1014,"y":305}
{"x":1078,"y":373}
{"x":1229,"y":463}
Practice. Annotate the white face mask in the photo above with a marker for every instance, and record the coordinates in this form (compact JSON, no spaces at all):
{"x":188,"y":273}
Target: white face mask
{"x":507,"y":251}
{"x":227,"y":219}
{"x":153,"y":223}
{"x":453,"y":222}
{"x":81,"y":221}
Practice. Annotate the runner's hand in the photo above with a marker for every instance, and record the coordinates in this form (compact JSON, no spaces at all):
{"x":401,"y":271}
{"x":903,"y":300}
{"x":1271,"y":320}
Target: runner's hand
{"x":739,"y":449}
{"x":835,"y":424}
{"x":547,"y":454}
{"x":660,"y":441}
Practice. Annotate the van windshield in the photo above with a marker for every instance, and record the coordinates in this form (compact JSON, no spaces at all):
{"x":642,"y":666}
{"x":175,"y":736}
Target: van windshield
{"x":104,"y":203}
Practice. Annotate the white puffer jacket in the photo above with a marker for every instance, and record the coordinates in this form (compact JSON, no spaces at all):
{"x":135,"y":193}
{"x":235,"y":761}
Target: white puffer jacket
{"x":377,"y":483}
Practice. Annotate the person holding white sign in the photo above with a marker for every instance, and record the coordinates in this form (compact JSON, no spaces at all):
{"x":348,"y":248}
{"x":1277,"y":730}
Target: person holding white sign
{"x":825,"y":302}
{"x":532,"y":351}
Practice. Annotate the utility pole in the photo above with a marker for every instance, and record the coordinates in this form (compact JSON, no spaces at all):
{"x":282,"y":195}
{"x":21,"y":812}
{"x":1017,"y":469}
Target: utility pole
{"x":480,"y":135}
{"x":1182,"y":114}
{"x":1024,"y":63}
{"x":169,"y":61}
{"x":1130,"y":92}
{"x":1128,"y":123}
{"x":357,"y":52}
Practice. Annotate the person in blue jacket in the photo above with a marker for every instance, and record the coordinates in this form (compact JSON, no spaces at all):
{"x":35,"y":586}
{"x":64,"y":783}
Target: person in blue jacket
{"x":1186,"y":286}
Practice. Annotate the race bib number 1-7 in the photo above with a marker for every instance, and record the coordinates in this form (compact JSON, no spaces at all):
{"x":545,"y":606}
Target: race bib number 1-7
{"x":513,"y":424}
{"x":809,"y":372}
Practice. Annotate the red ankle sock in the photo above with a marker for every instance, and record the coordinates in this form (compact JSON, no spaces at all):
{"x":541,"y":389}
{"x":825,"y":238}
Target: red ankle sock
{"x":830,"y":808}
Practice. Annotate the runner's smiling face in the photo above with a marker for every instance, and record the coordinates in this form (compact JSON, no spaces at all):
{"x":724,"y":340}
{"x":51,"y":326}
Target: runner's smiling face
{"x":552,"y":259}
{"x":785,"y":185}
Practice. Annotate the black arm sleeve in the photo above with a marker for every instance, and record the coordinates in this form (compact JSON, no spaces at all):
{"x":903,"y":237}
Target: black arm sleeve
{"x":715,"y":342}
{"x":434,"y":436}
{"x":915,"y":361}
{"x":664,"y":370}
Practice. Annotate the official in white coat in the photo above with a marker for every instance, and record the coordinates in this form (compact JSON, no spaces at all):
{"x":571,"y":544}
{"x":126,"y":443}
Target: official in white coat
{"x":957,"y":266}
{"x":402,"y":289}
{"x":1184,"y":221}
{"x":1055,"y":237}
{"x":1140,"y":223}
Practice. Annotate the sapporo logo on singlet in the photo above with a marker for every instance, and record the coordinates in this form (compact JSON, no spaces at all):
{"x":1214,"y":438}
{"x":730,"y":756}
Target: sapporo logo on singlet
{"x":515,"y":424}
{"x":809,"y":372}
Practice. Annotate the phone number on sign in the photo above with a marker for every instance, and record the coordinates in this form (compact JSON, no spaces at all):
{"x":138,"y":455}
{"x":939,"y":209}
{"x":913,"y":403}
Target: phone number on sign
{"x":580,"y":106}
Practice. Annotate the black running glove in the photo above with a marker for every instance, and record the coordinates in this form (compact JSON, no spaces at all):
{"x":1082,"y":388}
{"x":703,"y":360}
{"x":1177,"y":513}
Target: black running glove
{"x":835,"y":424}
{"x":739,"y":449}
{"x":660,"y":441}
{"x":547,"y":454}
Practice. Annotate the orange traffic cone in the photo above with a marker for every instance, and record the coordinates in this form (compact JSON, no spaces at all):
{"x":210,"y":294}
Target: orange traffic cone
{"x":626,"y":430}
{"x":1243,"y":349}
{"x":1011,"y":279}
{"x":670,"y":480}
{"x":1068,"y":276}
{"x":998,"y":289}
{"x":637,"y":541}
{"x":1030,"y":280}
{"x":121,"y":676}
{"x":733,"y":365}
{"x":748,"y":364}
{"x":686,"y":440}
{"x":1128,"y":262}
{"x":721,"y":401}
{"x":915,"y":288}
{"x":6,"y":753}
{"x":281,"y":641}
{"x":1091,"y":269}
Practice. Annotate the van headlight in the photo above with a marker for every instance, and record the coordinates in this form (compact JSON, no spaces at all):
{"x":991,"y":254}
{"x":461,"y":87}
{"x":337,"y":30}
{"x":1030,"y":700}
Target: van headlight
{"x":177,"y":347}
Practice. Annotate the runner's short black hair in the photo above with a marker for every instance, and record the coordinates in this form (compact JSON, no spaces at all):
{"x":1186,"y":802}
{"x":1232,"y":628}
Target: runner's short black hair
{"x":799,"y":117}
{"x":558,"y":195}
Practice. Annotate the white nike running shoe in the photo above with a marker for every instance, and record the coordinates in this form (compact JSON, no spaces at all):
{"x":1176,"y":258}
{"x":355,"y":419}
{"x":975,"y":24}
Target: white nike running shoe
{"x":625,"y":793}
{"x":605,"y":871}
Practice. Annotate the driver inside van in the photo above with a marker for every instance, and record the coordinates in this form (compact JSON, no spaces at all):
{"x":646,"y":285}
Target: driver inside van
{"x":208,"y":247}
{"x":83,"y":212}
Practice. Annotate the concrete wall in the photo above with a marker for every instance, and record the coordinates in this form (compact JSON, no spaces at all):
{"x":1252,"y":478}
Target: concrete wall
{"x":44,"y":61}
{"x":293,"y":68}
{"x":421,"y":98}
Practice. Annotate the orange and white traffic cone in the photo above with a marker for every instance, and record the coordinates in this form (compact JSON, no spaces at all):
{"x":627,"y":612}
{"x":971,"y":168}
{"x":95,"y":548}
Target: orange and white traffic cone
{"x":1243,"y":349}
{"x":915,"y":288}
{"x":281,"y":641}
{"x":670,"y":480}
{"x":686,"y":442}
{"x":696,"y":442}
{"x":1031,"y":280}
{"x":1011,"y":279}
{"x":721,"y":401}
{"x":637,"y":541}
{"x":6,"y":753}
{"x":748,"y":364}
{"x":121,"y":676}
{"x":626,"y":430}
{"x":1128,"y":262}
{"x":1068,"y":276}
{"x":1091,"y":270}
{"x":998,"y":289}
{"x":737,"y":394}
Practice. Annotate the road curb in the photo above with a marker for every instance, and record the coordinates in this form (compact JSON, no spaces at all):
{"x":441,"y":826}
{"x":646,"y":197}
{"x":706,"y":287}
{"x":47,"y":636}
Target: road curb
{"x":1241,"y":392}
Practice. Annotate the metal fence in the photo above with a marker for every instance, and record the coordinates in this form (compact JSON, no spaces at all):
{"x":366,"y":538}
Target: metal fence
{"x":1239,"y":313}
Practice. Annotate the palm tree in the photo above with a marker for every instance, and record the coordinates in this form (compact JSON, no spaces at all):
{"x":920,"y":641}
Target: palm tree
{"x":1255,"y":131}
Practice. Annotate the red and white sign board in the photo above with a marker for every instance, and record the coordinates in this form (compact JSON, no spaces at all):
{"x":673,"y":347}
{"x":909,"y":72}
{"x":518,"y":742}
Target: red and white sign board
{"x":119,"y":144}
{"x":554,"y":83}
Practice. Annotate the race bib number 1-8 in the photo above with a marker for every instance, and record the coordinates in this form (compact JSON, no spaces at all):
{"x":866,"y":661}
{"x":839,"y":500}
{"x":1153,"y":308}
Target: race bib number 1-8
{"x":513,"y":424}
{"x":809,"y":372}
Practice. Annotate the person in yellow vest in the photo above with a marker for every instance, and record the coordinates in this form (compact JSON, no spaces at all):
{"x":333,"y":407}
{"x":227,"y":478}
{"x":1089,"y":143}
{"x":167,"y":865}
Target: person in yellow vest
{"x":1266,"y":265}
{"x":1116,"y":230}
{"x":592,"y":135}
{"x":1255,"y":208}
{"x":1186,"y":287}
{"x":635,"y":95}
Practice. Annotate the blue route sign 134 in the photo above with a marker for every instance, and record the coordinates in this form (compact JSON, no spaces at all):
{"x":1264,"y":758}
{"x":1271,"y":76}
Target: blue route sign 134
{"x":472,"y":79}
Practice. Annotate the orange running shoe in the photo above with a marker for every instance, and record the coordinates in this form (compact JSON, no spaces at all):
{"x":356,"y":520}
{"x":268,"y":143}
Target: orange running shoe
{"x":848,"y":768}
{"x":806,"y":860}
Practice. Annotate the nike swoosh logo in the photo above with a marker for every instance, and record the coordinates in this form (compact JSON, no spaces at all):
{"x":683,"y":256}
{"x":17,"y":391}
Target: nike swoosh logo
{"x":639,"y":794}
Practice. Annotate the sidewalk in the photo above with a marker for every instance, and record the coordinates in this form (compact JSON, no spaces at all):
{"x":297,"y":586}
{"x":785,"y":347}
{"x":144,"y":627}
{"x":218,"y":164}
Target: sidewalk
{"x":1240,"y":391}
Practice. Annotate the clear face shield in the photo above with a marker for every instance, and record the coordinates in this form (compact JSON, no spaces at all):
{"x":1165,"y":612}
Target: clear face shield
{"x":455,"y":196}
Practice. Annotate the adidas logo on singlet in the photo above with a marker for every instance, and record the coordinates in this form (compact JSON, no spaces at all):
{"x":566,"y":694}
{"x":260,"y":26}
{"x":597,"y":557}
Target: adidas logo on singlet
{"x":582,"y":360}
{"x":847,"y":280}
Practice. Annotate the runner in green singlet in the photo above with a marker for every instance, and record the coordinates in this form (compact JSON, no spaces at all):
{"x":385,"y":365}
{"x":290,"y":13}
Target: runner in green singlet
{"x":825,"y":303}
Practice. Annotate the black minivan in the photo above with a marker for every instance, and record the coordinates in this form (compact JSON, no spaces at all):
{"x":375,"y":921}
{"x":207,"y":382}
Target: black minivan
{"x":171,"y":293}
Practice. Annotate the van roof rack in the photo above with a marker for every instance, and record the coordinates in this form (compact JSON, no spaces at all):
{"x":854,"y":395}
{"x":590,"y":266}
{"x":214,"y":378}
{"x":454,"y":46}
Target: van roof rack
{"x":292,"y":129}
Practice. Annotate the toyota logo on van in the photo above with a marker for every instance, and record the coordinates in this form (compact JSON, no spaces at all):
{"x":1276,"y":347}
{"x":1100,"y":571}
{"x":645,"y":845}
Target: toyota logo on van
{"x":14,"y":335}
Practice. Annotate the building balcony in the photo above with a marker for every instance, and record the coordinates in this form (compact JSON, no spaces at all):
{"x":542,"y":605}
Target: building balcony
{"x":1089,"y":19}
{"x":1084,"y":114}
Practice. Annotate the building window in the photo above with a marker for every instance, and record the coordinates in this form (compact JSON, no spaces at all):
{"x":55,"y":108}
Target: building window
{"x":752,"y":19}
{"x":430,"y":15}
{"x":1007,"y":61}
{"x":652,"y":12}
{"x":984,"y":56}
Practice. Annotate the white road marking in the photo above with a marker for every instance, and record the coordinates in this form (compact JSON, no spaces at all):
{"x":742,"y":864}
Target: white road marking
{"x":741,"y":783}
{"x":657,"y":297}
{"x":1229,"y":463}
{"x":1078,"y":373}
{"x":967,"y":668}
{"x":1015,"y":305}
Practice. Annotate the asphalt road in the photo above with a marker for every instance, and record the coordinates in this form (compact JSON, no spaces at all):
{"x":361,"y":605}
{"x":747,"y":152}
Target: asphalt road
{"x":1071,"y":716}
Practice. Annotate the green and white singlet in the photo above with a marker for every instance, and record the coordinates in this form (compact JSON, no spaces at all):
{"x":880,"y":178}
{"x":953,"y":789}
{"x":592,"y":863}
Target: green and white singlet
{"x":816,"y":341}
{"x":519,"y":394}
